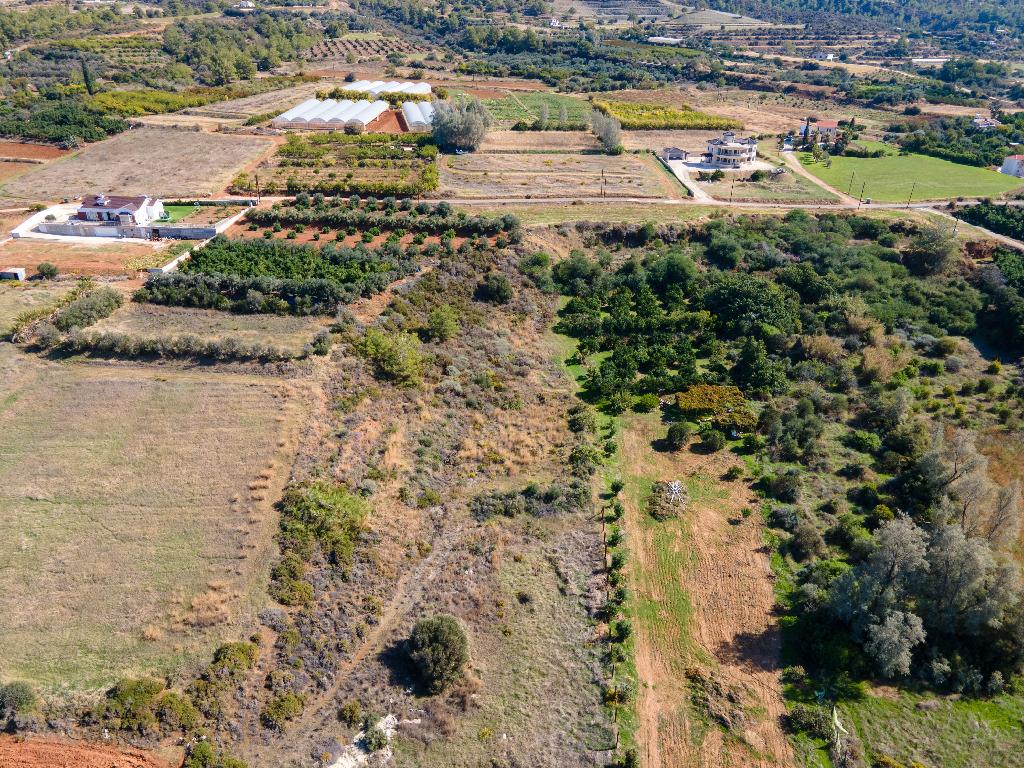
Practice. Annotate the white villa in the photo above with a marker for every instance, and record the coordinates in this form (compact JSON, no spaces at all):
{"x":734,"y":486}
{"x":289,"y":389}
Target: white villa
{"x":1013,"y":166}
{"x":730,"y":151}
{"x":140,"y":210}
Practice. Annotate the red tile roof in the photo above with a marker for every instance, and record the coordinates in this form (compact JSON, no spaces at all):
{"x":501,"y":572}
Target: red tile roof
{"x":113,"y":202}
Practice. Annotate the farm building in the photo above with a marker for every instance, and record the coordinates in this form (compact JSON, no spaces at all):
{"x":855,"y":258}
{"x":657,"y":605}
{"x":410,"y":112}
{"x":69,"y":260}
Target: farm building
{"x":1013,"y":166}
{"x":12,"y":273}
{"x":418,"y":115}
{"x":822,"y":131}
{"x":123,"y":210}
{"x":674,"y":153}
{"x":387,"y":86}
{"x":331,"y":115}
{"x":730,"y":151}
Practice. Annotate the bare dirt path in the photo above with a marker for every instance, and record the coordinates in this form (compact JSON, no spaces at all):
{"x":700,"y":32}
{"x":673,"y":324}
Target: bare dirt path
{"x":717,"y":562}
{"x":794,"y":164}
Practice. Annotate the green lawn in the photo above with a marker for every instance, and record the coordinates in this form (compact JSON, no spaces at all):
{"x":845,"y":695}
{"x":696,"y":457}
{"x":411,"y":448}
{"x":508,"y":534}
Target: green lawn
{"x":891,"y":179}
{"x":178,"y":212}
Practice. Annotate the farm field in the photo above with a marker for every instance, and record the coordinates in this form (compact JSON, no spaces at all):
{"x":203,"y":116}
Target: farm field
{"x":337,"y":163}
{"x":152,"y":321}
{"x":259,"y":104}
{"x":106,"y":257}
{"x":554,"y":175}
{"x":892,"y":179}
{"x":15,"y":299}
{"x":540,"y":141}
{"x":144,"y":161}
{"x":137,"y":506}
{"x":24,"y":151}
{"x":527,"y":106}
{"x":758,"y":112}
{"x":362,"y":46}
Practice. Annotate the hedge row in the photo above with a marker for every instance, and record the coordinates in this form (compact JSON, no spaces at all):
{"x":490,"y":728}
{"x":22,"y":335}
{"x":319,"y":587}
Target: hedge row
{"x":341,"y":218}
{"x":187,"y":346}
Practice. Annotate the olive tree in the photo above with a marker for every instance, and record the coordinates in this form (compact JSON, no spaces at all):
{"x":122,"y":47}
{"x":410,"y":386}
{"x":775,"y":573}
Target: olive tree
{"x":439,"y":650}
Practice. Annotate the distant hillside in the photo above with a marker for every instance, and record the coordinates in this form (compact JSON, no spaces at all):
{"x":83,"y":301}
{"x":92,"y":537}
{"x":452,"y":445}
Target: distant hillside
{"x":931,"y":15}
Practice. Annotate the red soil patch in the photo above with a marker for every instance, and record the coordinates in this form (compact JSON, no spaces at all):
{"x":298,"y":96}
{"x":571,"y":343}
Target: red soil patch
{"x":30,"y":151}
{"x":37,"y":753}
{"x":388,"y":122}
{"x":486,"y":93}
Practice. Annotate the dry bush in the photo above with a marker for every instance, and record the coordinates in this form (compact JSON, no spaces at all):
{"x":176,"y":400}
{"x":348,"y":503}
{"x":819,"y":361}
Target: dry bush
{"x":882,"y":363}
{"x":821,"y":347}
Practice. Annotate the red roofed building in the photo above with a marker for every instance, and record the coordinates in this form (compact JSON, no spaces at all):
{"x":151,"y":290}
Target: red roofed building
{"x":120,"y":209}
{"x":825,"y":131}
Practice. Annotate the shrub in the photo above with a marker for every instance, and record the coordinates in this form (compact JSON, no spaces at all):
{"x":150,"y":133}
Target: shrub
{"x":442,"y":323}
{"x":47,"y":270}
{"x":375,"y":739}
{"x":282,"y":708}
{"x":397,"y":356}
{"x":17,"y":697}
{"x":495,"y":289}
{"x":439,"y":650}
{"x":202,"y":754}
{"x":678,"y":435}
{"x":646,"y":403}
{"x":88,"y":309}
{"x":176,"y":712}
{"x":713,"y":440}
{"x":809,"y":719}
{"x":130,"y":705}
{"x":351,"y":713}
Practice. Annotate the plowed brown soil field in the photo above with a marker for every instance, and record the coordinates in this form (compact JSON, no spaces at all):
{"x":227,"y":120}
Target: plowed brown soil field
{"x":39,"y":753}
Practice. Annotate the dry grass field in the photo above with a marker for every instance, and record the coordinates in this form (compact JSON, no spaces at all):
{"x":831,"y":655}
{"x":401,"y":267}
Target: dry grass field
{"x":486,"y":176}
{"x":145,"y":161}
{"x":759,"y":112}
{"x":105,"y":257}
{"x":136,"y":510}
{"x":150,"y":321}
{"x":17,"y":298}
{"x":262,"y":103}
{"x":539,"y":141}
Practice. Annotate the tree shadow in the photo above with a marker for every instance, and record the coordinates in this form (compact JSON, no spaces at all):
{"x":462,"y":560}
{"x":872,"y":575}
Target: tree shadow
{"x":401,"y":672}
{"x":760,"y":650}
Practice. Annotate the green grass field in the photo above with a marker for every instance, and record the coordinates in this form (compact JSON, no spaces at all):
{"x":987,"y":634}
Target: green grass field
{"x":891,"y":179}
{"x":945,"y":732}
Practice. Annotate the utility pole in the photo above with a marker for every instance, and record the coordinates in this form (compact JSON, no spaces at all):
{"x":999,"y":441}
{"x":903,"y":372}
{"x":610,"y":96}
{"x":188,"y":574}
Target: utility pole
{"x":913,"y":188}
{"x":860,"y":201}
{"x":257,"y":177}
{"x":849,"y":190}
